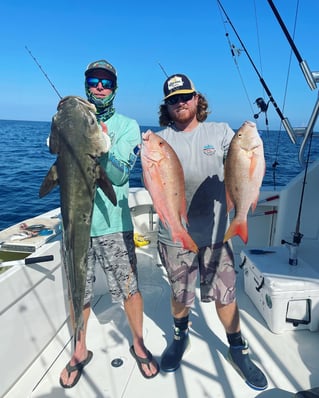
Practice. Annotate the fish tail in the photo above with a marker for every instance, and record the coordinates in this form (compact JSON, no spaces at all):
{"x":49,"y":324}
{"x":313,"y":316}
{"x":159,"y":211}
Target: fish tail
{"x":78,"y":327}
{"x":239,"y":228}
{"x":186,"y":240}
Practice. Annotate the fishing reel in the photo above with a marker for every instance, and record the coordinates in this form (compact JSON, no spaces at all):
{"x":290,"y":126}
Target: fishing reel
{"x":293,"y":247}
{"x":262,"y":106}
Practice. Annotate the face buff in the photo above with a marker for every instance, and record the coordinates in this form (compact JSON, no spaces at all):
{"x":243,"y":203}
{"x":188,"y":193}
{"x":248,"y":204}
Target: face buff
{"x":104,"y":106}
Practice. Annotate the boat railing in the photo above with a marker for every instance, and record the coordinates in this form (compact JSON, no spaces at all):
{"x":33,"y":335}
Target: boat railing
{"x":308,"y":132}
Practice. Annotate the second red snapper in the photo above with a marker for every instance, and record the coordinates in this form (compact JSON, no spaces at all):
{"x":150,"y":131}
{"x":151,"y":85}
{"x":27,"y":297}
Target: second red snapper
{"x":164,"y":179}
{"x":244,"y":171}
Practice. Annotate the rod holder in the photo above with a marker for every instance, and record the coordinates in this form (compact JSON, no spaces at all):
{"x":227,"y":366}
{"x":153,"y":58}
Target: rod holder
{"x":309,"y":76}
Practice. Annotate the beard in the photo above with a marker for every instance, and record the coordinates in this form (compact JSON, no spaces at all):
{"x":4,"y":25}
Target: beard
{"x":183,"y":114}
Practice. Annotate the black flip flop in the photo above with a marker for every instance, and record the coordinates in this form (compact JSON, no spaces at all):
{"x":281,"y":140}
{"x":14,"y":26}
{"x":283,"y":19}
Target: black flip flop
{"x":76,"y":368}
{"x":147,"y":361}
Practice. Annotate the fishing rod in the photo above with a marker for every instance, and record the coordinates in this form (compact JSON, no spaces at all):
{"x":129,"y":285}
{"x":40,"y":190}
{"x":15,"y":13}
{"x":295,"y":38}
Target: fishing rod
{"x":309,"y":76}
{"x":164,"y":71}
{"x":283,"y":119}
{"x":47,"y":77}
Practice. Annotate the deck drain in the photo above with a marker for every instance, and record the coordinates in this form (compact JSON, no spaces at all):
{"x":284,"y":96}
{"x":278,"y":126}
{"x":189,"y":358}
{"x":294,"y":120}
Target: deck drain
{"x":117,"y":362}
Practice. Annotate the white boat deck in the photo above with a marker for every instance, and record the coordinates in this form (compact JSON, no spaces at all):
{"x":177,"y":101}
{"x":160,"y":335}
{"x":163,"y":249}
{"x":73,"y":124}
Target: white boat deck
{"x":290,"y":359}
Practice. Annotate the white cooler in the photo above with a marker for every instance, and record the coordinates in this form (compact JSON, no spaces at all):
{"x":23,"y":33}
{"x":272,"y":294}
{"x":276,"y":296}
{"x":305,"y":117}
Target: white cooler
{"x":287,"y":296}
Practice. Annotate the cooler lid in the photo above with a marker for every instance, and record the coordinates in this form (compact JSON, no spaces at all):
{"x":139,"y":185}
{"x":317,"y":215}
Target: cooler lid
{"x":272,"y":265}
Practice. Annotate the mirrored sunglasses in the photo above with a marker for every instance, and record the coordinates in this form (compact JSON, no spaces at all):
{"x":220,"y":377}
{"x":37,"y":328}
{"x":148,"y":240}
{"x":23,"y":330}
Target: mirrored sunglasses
{"x":94,"y":81}
{"x":179,"y":98}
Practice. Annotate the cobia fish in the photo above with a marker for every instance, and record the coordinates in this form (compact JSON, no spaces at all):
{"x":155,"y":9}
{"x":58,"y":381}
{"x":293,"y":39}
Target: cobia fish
{"x":244,"y":171}
{"x":164,"y":179}
{"x":77,"y":140}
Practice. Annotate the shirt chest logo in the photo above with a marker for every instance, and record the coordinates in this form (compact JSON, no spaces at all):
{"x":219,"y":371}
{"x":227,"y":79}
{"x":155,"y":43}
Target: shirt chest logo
{"x":209,"y":150}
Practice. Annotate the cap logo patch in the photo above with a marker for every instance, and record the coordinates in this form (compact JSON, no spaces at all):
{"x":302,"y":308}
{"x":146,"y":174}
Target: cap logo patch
{"x":175,"y":83}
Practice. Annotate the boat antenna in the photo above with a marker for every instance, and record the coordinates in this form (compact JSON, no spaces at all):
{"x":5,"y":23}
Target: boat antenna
{"x":283,"y":119}
{"x":302,"y":63}
{"x":164,"y":71}
{"x":47,"y":77}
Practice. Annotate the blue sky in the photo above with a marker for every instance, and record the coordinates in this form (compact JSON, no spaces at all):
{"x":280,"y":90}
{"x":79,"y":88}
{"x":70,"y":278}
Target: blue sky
{"x":135,"y":36}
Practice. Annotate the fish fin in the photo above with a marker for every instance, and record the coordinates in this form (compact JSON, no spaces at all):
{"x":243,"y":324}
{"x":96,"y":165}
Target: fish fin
{"x":254,"y":204}
{"x":162,"y":217}
{"x":105,"y":184}
{"x":189,"y":244}
{"x":186,"y":240}
{"x":253,"y":164}
{"x":185,"y":219}
{"x":54,"y":137}
{"x":229,"y":202}
{"x":184,"y":215}
{"x":50,"y":181}
{"x":239,"y":228}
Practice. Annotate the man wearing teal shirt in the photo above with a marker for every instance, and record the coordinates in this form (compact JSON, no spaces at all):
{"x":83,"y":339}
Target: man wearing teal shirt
{"x":112,"y":245}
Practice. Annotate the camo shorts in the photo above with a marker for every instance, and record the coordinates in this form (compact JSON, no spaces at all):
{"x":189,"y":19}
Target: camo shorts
{"x":216,"y":268}
{"x":115,"y":253}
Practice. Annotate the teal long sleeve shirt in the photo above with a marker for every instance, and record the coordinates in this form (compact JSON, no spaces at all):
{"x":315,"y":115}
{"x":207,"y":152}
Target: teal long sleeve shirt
{"x":118,"y":163}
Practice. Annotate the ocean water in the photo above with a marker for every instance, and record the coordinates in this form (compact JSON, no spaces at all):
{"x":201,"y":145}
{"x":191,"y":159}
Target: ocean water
{"x":25,"y":160}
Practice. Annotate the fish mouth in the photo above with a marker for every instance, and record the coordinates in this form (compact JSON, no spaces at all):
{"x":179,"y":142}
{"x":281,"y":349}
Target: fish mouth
{"x":249,"y":123}
{"x":146,"y":135}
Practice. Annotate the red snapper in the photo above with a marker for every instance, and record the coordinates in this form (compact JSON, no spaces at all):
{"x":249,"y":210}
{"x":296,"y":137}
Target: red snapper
{"x":244,"y":171}
{"x":164,"y":179}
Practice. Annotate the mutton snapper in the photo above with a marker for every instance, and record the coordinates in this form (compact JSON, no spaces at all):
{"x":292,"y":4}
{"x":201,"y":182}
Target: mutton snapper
{"x":78,"y":141}
{"x":244,"y":171}
{"x":164,"y":179}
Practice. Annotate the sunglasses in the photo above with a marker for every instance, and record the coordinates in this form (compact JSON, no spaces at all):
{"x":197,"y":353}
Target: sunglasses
{"x":94,"y":81}
{"x":179,"y":98}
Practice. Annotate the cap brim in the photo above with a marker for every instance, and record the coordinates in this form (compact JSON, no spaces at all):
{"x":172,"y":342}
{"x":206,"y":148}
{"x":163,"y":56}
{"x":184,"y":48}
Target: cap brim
{"x":189,"y":91}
